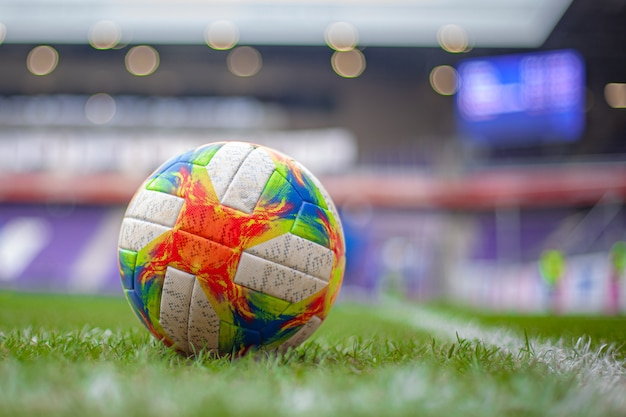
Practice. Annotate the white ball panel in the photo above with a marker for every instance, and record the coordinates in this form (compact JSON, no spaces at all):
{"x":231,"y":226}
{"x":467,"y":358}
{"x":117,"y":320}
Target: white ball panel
{"x":204,"y":323}
{"x":175,"y":300}
{"x":225,"y":163}
{"x":297,"y":253}
{"x":277,"y":280}
{"x":248,"y":183}
{"x":136,"y":234}
{"x":156,"y":207}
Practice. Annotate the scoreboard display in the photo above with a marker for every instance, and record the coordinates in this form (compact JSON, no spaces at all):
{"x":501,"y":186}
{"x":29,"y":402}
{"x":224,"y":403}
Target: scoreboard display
{"x":523,"y":99}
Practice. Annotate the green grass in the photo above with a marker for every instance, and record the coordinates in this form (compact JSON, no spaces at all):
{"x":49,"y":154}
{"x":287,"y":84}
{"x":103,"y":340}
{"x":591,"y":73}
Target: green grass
{"x":88,"y":356}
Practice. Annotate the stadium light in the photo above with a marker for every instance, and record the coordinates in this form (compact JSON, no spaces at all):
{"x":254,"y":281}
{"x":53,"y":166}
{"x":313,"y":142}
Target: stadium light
{"x":443,"y":79}
{"x":142,"y":60}
{"x":105,"y":34}
{"x":341,"y":36}
{"x":615,"y":95}
{"x":42,"y":60}
{"x":222,"y":35}
{"x":348,"y":64}
{"x":244,"y":61}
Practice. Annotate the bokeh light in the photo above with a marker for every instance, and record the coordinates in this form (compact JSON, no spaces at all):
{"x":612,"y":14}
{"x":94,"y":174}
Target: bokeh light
{"x":142,"y":60}
{"x":105,"y":34}
{"x":100,"y":108}
{"x":615,"y":95}
{"x":222,"y":35}
{"x":244,"y":61}
{"x":348,"y":64}
{"x":444,"y":80}
{"x":341,"y":36}
{"x":453,"y":39}
{"x":42,"y":60}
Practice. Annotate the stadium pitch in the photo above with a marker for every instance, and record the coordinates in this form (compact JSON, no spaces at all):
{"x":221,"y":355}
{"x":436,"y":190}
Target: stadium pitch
{"x":78,"y":355}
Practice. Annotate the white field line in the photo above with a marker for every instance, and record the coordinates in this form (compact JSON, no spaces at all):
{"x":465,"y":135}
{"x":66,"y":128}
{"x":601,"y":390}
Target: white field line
{"x":597,"y":369}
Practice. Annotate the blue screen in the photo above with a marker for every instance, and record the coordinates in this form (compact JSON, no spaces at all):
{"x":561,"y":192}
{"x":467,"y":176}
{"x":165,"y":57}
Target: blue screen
{"x":522,"y":99}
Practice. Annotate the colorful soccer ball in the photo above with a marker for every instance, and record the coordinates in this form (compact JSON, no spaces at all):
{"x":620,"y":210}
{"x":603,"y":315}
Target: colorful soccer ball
{"x":231,"y":247}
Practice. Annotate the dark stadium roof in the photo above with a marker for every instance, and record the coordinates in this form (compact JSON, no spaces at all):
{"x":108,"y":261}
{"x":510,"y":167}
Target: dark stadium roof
{"x":299,"y":77}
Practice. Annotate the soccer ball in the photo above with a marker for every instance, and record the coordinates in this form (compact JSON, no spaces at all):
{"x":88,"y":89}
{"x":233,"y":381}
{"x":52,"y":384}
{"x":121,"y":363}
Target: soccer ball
{"x":231,"y":247}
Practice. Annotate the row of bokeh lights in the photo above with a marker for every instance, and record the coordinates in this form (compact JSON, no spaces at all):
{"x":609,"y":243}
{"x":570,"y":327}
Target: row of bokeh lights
{"x":143,"y":60}
{"x":245,"y":61}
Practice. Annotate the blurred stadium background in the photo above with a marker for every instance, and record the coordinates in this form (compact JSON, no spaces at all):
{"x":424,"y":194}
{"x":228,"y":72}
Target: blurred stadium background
{"x":476,"y":148}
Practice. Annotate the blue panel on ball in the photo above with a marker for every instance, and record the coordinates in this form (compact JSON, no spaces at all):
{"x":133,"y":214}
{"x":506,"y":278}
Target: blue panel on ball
{"x":236,"y":340}
{"x":137,"y":306}
{"x":314,"y":223}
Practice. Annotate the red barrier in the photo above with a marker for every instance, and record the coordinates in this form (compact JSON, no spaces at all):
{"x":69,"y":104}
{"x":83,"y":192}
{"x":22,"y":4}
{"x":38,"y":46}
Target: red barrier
{"x":525,"y":187}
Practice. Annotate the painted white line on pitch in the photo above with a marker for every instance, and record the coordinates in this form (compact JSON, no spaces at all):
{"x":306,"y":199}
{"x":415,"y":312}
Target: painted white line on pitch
{"x":21,"y":240}
{"x":594,"y":368}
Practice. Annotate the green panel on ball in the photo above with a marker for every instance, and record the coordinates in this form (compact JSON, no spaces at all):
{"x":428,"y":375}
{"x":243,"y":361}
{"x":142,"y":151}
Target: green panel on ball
{"x":202,"y":155}
{"x":126,"y":262}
